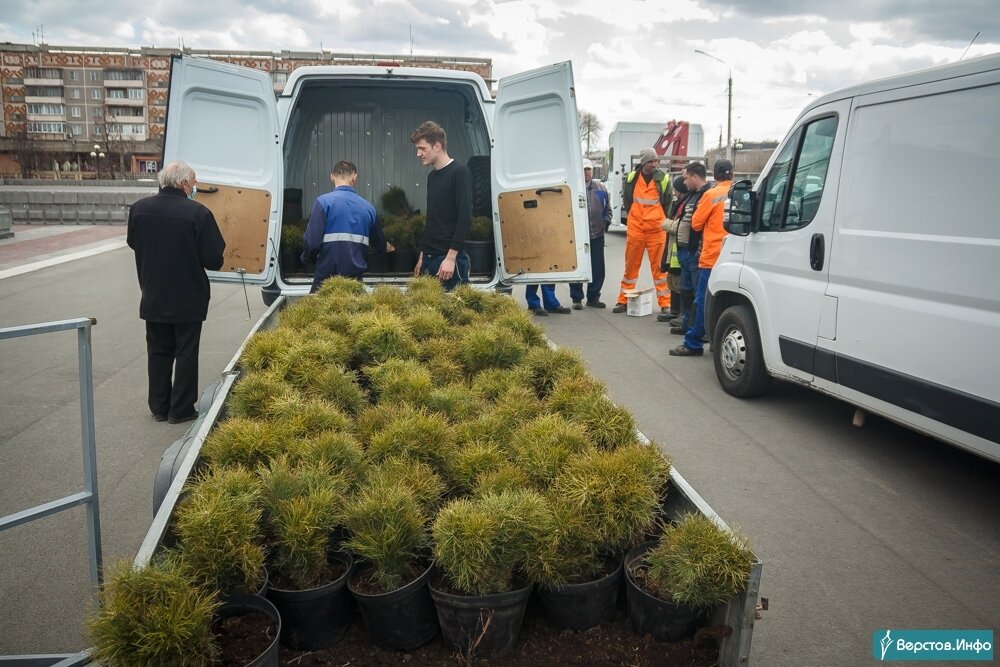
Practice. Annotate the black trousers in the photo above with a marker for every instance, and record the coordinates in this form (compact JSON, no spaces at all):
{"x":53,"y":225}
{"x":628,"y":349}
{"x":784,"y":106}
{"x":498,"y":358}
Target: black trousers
{"x":172,"y":352}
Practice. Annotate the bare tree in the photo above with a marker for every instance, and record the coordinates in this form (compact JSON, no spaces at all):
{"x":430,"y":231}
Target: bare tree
{"x":120,"y":142}
{"x":26,"y":149}
{"x":590,"y":128}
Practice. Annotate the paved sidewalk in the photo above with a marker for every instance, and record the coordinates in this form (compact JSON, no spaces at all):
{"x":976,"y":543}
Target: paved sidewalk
{"x":38,"y":246}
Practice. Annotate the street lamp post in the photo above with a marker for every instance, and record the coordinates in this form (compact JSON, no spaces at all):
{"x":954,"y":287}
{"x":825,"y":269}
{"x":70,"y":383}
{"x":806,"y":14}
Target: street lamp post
{"x":729,"y":115}
{"x":97,"y":154}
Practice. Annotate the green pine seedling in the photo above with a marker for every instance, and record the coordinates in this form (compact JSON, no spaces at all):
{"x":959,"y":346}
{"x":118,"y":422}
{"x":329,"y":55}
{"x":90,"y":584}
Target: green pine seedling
{"x":698,"y":563}
{"x":388,"y":530}
{"x":246,"y":442}
{"x":152,"y":616}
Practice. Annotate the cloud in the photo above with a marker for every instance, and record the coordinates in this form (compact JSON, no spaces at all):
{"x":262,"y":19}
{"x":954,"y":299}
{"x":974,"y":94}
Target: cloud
{"x":633,"y":60}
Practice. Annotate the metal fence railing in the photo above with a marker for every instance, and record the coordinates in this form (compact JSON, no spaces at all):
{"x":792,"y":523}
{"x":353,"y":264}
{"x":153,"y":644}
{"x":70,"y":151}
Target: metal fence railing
{"x":88,"y":496}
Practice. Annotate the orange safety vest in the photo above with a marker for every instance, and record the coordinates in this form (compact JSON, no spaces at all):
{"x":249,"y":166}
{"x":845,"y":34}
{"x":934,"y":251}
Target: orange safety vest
{"x":708,"y":219}
{"x":646,"y":214}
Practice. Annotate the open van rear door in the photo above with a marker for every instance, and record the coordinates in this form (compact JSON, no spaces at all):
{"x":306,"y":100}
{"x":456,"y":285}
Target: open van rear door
{"x":222,"y":120}
{"x":542,"y":232}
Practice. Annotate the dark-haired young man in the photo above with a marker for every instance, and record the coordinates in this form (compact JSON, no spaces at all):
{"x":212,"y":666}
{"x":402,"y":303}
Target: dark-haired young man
{"x":449,"y":209}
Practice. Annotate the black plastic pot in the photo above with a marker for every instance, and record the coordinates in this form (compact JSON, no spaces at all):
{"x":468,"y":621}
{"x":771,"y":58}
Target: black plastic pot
{"x":649,"y":615}
{"x":482,"y":259}
{"x":585,"y":605}
{"x":403,"y":260}
{"x":491,"y":620}
{"x":315,"y":617}
{"x":399,"y":620}
{"x":261,"y":591}
{"x":241,"y":604}
{"x":290,"y":259}
{"x":378,"y":262}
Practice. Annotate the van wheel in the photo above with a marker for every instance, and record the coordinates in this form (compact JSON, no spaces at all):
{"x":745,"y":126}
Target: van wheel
{"x":739,"y":358}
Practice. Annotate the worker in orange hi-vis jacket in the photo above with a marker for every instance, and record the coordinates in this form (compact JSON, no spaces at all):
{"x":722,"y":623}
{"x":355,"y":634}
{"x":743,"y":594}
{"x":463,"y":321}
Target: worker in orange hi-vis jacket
{"x":647,"y":199}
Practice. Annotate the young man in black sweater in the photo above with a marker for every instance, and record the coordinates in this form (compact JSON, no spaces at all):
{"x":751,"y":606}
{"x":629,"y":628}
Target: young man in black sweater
{"x":449,"y":209}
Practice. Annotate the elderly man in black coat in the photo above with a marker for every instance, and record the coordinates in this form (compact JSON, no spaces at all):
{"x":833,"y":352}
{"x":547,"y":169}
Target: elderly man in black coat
{"x":175,"y":239}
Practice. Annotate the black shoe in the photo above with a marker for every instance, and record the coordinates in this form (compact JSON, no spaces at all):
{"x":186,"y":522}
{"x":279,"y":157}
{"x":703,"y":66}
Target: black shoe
{"x":180,"y":420}
{"x":664,"y":317}
{"x":577,"y":305}
{"x":561,"y":310}
{"x":541,"y":312}
{"x":685,"y":351}
{"x":159,"y":418}
{"x":678,"y":331}
{"x":596,"y":304}
{"x":619,"y":308}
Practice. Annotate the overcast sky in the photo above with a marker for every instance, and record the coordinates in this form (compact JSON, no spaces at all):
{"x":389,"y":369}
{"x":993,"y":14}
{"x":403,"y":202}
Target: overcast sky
{"x":634,"y":60}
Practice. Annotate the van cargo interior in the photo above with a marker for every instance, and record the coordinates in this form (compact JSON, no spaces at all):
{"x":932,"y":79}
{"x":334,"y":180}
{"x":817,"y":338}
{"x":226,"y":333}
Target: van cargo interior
{"x":369,"y":123}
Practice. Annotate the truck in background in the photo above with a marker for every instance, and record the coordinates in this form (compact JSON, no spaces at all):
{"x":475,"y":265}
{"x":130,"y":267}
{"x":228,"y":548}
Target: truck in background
{"x":676,"y":141}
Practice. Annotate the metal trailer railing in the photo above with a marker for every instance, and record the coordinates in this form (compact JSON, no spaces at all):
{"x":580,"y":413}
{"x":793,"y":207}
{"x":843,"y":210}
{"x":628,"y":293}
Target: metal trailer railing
{"x":88,"y":496}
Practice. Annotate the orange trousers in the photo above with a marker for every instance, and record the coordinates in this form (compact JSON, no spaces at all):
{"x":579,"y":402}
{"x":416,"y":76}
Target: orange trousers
{"x":651,"y":242}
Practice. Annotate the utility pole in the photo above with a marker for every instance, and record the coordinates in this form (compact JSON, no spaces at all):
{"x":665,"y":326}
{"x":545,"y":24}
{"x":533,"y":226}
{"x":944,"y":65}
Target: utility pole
{"x":729,"y":114}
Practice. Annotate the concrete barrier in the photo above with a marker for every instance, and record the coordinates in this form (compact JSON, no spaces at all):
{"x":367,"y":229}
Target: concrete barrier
{"x":6,"y":221}
{"x":38,"y":205}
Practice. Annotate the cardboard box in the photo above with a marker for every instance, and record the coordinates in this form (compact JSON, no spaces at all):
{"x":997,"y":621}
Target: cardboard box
{"x":640,"y":302}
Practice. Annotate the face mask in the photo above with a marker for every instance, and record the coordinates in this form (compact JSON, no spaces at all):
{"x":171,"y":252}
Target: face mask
{"x":194,"y":191}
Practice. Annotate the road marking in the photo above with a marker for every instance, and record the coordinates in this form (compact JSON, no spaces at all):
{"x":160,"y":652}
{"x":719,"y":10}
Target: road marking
{"x":60,"y":259}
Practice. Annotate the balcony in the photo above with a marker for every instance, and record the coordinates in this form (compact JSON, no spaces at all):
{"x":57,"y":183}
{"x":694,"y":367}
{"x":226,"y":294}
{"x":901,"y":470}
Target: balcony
{"x":115,"y":118}
{"x":125,"y":101}
{"x":31,"y":81}
{"x":36,"y":99}
{"x":124,"y":83}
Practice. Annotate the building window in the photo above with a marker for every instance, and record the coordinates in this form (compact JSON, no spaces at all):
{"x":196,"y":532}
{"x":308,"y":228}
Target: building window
{"x":46,"y":109}
{"x":149,"y":167}
{"x":116,"y":94}
{"x":75,"y":112}
{"x":47,"y":128}
{"x":135,"y":93}
{"x":75,"y":130}
{"x":75,"y":93}
{"x":97,"y":130}
{"x":279,"y":77}
{"x":43,"y":91}
{"x":43,"y":73}
{"x":123,"y":75}
{"x":95,"y":75}
{"x":95,"y":94}
{"x":73,"y":75}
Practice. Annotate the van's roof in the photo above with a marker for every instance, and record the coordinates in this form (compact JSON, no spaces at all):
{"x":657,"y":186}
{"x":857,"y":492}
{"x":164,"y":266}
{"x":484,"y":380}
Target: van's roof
{"x":386,"y":73}
{"x":963,"y":68}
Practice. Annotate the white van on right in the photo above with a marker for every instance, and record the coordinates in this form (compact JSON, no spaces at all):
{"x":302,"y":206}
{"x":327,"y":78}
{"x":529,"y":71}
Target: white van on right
{"x":865,"y":261}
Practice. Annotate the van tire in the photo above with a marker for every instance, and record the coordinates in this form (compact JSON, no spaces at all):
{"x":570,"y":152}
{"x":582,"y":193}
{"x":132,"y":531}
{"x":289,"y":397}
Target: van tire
{"x":482,"y":185}
{"x":738,"y":354}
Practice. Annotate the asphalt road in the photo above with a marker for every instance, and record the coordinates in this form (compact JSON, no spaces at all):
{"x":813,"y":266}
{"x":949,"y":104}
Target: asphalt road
{"x":858,"y":528}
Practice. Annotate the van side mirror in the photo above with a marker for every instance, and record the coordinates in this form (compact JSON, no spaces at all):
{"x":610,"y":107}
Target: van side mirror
{"x":738,"y":218}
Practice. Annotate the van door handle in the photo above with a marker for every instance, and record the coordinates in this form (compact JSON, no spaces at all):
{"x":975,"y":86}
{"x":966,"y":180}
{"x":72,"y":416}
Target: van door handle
{"x":817,"y":252}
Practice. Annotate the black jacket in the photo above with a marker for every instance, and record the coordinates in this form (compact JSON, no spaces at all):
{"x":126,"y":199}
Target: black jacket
{"x":175,"y":239}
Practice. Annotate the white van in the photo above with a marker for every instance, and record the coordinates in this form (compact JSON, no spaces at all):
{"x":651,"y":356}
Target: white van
{"x":261,"y":161}
{"x":865,"y":261}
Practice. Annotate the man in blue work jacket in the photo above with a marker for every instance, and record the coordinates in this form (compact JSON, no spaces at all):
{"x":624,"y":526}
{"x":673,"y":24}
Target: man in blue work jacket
{"x":341,"y":228}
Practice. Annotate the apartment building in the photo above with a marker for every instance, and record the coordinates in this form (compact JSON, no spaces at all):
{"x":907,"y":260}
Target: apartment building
{"x":83,"y":112}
